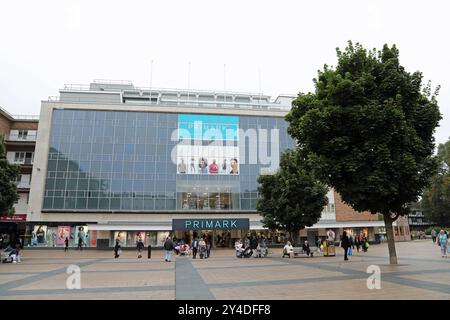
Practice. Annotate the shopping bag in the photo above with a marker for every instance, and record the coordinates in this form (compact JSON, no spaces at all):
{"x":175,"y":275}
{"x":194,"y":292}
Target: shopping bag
{"x":119,"y":252}
{"x":350,"y":252}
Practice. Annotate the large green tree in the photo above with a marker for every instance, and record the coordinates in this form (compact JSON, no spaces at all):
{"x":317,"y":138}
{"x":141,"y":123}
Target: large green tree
{"x":8,"y":177}
{"x":368,"y":128}
{"x":436,"y":198}
{"x":292,"y":198}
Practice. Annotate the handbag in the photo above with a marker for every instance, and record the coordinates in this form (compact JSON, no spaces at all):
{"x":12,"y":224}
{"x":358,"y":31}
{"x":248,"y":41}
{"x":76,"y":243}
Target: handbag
{"x":350,"y":251}
{"x":119,"y":252}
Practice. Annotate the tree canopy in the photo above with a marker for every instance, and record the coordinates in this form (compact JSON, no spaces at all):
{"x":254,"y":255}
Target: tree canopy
{"x":292,"y":198}
{"x":436,"y":198}
{"x":8,"y":177}
{"x":368,"y":127}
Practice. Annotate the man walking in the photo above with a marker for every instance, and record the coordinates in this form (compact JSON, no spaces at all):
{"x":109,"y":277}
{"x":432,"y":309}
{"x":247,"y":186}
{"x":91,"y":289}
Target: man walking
{"x":66,"y":244}
{"x":194,"y":248}
{"x":433,"y":235}
{"x":345,"y":244}
{"x":168,"y":246}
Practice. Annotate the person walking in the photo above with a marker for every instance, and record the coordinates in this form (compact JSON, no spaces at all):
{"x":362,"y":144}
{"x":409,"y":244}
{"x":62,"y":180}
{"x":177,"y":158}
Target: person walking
{"x":66,"y":244}
{"x":443,"y":242}
{"x":253,"y":245}
{"x":208,"y":247}
{"x":168,"y":247}
{"x":345,"y":244}
{"x":194,"y":248}
{"x":80,"y":244}
{"x":357,"y":243}
{"x":117,"y":249}
{"x":139,"y":247}
{"x":433,"y":235}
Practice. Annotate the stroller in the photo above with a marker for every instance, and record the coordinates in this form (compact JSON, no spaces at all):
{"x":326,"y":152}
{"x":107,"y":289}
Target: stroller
{"x":243,"y":253}
{"x":202,"y":251}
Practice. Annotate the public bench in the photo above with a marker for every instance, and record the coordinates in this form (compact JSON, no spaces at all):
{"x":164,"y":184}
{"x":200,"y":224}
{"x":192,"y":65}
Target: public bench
{"x":299,"y":251}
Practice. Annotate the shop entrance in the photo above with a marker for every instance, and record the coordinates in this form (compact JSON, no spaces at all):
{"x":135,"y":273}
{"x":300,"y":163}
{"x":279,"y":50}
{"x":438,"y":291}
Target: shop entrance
{"x":218,"y":238}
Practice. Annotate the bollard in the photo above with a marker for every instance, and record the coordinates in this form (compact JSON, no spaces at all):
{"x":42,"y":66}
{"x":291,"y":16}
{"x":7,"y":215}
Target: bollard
{"x":149,"y":248}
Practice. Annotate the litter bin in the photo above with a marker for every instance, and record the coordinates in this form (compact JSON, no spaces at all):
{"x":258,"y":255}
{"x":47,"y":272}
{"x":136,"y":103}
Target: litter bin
{"x":149,"y":249}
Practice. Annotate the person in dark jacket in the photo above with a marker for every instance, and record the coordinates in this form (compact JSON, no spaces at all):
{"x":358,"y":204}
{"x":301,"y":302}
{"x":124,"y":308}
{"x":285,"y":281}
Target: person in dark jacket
{"x":254,"y":245}
{"x":345,"y":244}
{"x":194,"y":248}
{"x":307,"y":249}
{"x":117,"y":249}
{"x":66,"y":244}
{"x":357,"y":243}
{"x":168,"y":246}
{"x":139,"y":247}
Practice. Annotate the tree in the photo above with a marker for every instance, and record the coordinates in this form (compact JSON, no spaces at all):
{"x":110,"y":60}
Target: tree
{"x":368,"y":128}
{"x":292,"y":198}
{"x":436,"y":198}
{"x":8,"y":177}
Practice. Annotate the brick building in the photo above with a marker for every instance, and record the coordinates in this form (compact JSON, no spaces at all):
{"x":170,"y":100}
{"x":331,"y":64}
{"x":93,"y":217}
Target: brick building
{"x":19,"y":133}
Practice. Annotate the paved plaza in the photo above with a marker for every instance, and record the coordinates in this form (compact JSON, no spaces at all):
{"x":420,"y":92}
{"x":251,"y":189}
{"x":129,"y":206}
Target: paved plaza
{"x":421,"y":274}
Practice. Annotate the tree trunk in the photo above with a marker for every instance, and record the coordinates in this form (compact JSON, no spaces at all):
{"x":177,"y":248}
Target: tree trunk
{"x":390,"y":238}
{"x":295,"y":238}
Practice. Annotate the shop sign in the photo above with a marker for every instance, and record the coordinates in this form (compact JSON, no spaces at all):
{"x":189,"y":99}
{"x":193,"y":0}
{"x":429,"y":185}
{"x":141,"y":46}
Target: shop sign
{"x":15,"y":217}
{"x":210,"y":224}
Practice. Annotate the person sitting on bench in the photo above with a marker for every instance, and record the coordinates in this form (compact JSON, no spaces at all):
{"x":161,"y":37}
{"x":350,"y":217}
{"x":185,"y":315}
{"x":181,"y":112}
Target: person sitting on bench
{"x":306,"y":249}
{"x":288,"y":250}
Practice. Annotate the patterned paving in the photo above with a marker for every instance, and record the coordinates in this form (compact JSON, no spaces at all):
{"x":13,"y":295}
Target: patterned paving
{"x":421,"y":274}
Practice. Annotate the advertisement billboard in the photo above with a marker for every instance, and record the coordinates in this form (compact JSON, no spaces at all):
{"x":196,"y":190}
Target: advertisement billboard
{"x":209,"y":144}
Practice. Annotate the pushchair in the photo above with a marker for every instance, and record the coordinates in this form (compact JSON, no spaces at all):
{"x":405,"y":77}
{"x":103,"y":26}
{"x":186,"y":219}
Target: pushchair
{"x":244,"y":253}
{"x":202,"y":251}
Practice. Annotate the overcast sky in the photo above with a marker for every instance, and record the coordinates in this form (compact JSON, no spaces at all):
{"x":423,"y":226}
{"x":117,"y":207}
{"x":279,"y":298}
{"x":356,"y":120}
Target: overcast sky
{"x":273,"y":47}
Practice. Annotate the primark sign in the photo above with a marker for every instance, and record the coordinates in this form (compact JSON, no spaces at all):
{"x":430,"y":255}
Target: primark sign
{"x":210,"y":224}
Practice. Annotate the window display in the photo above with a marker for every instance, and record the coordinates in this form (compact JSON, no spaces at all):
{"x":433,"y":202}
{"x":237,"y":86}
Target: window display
{"x":63,"y":233}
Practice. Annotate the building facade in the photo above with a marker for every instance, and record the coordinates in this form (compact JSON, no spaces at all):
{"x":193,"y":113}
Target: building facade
{"x":116,"y":161}
{"x":19,"y":133}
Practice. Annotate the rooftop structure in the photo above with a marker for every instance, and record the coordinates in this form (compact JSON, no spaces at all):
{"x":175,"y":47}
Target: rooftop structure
{"x":124,"y":92}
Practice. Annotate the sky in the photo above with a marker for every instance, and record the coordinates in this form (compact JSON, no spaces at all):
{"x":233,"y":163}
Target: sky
{"x":268,"y":47}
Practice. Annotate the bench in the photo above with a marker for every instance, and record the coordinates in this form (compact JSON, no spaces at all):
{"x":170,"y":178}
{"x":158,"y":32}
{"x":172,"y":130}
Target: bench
{"x":299,"y":251}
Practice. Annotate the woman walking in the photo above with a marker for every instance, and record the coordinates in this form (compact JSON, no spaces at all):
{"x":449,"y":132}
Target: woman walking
{"x":117,"y":249}
{"x":443,"y":242}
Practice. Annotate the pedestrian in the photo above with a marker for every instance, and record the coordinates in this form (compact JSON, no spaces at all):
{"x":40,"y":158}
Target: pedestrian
{"x":194,"y":248}
{"x":80,"y":244}
{"x":168,"y":246}
{"x":117,"y":249}
{"x":208,"y":247}
{"x":345,"y":244}
{"x":66,"y":244}
{"x":357,"y":243}
{"x":352,"y":242}
{"x":443,"y":241}
{"x":139,"y":247}
{"x":253,"y":245}
{"x":202,"y":248}
{"x":433,"y":235}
